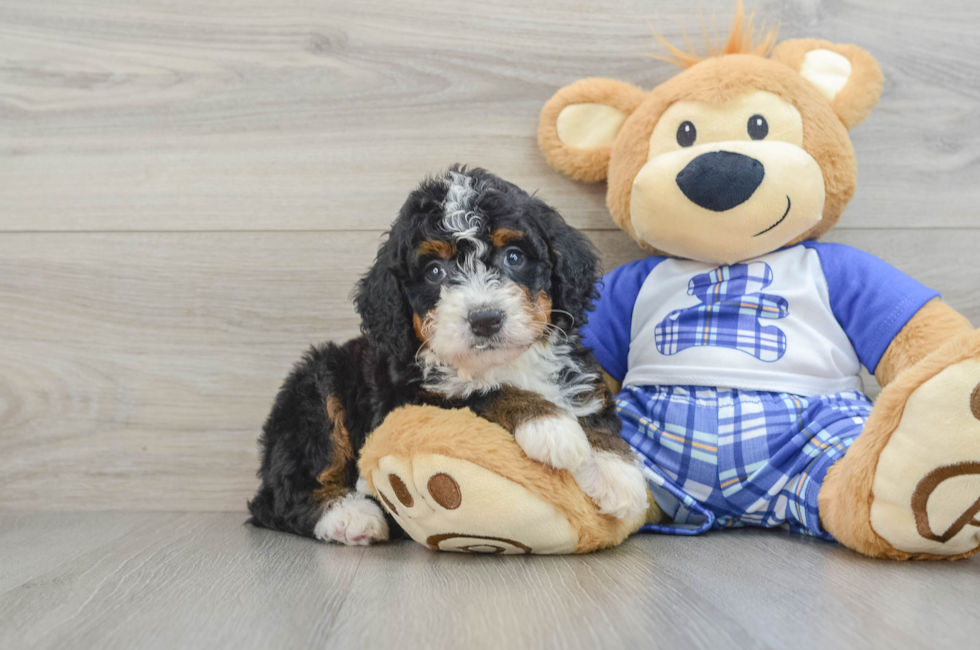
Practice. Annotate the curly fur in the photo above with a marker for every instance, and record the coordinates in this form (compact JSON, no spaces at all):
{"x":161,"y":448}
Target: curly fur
{"x":338,"y":394}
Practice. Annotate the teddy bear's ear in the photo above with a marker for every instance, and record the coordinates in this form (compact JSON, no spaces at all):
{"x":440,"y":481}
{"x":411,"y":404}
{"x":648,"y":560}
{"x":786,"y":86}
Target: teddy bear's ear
{"x":579,"y":124}
{"x":848,"y":76}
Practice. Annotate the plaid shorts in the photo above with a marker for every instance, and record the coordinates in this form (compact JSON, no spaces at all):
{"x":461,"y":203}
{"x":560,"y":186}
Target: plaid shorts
{"x":724,"y":458}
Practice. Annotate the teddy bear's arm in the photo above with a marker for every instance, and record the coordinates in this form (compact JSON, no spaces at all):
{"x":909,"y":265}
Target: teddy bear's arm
{"x":933,"y":325}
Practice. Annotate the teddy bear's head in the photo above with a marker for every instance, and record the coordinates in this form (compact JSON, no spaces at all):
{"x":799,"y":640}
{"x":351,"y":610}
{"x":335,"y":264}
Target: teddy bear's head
{"x":744,"y":152}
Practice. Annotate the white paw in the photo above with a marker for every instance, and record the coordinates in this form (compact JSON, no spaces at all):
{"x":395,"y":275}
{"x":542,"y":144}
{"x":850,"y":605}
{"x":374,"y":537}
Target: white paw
{"x":361,"y":486}
{"x":558,"y":441}
{"x":614,"y":484}
{"x":355,"y":521}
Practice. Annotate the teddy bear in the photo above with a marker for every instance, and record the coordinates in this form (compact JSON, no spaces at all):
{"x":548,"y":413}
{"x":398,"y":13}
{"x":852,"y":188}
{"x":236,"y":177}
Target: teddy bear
{"x":735,"y":348}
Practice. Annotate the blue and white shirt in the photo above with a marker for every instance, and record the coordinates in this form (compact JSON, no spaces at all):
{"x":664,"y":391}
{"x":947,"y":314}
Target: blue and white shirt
{"x":801,"y":320}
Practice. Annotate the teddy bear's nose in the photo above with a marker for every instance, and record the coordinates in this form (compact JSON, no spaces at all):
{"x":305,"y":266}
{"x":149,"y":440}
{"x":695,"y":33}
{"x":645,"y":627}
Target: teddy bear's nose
{"x":720,"y":180}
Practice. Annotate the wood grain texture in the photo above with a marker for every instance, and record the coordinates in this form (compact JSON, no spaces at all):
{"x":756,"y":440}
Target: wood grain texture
{"x":178,"y":581}
{"x":136,"y":369}
{"x":188,"y":192}
{"x":199,"y":580}
{"x":314,"y":114}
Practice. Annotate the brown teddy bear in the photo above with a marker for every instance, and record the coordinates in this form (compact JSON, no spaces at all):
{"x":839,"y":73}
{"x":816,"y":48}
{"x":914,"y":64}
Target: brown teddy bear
{"x":738,"y":343}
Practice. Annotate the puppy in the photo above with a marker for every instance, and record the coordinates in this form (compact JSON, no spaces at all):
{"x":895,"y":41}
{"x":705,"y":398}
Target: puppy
{"x":475,"y":300}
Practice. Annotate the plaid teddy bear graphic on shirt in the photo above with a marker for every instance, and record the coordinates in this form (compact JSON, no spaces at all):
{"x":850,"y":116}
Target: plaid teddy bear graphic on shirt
{"x":730,"y":314}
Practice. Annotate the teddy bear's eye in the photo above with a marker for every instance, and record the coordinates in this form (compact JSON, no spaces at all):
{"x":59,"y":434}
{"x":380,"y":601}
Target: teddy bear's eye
{"x":686,"y":134}
{"x":758,"y":127}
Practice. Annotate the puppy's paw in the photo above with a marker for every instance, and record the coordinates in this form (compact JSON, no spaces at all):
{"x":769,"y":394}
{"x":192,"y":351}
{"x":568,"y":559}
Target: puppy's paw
{"x":558,"y":441}
{"x":354,"y":521}
{"x":615,"y":485}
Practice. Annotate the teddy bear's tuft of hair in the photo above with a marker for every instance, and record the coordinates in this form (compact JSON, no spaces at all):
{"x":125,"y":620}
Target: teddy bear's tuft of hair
{"x":742,"y":39}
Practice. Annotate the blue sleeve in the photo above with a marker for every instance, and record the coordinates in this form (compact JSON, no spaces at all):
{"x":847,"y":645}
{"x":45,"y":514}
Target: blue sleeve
{"x":608,"y":329}
{"x":871,"y":299}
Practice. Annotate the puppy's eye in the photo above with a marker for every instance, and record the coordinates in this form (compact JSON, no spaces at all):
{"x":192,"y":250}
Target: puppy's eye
{"x":514,"y":258}
{"x":435,"y":273}
{"x":758,"y":127}
{"x":686,"y":134}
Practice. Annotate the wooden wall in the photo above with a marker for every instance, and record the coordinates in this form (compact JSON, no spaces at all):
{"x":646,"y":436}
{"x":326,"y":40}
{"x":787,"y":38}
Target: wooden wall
{"x":188,"y":191}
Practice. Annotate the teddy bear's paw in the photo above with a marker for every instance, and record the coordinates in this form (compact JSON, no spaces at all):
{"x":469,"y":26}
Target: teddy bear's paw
{"x":354,"y":520}
{"x":558,"y":441}
{"x":927,"y":483}
{"x":615,"y":485}
{"x":449,"y":504}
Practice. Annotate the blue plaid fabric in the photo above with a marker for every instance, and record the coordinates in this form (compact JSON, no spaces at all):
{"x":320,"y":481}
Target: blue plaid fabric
{"x":722,"y":458}
{"x":730,"y":315}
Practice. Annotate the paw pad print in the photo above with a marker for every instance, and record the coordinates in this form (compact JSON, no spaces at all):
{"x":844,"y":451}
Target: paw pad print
{"x":927,"y":482}
{"x":449,"y":504}
{"x":932,"y":482}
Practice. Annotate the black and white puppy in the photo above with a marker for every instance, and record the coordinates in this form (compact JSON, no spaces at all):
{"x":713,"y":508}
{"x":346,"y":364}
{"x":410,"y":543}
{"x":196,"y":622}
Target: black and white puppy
{"x":475,"y":301}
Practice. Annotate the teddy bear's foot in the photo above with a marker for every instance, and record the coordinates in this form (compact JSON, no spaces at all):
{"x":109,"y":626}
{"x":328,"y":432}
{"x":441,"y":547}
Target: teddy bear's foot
{"x":457,"y":482}
{"x":455,"y":505}
{"x":927,"y":484}
{"x":910,"y":485}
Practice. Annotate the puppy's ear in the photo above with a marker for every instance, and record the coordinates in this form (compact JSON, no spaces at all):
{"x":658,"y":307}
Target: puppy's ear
{"x":574,"y":269}
{"x":580,"y":123}
{"x":386,"y":315}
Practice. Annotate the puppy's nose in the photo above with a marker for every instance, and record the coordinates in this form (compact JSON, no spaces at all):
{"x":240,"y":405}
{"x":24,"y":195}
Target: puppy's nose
{"x":720,"y":180}
{"x":486,"y":322}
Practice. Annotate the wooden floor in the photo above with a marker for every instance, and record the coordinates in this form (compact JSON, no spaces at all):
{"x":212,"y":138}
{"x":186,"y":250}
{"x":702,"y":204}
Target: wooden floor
{"x":189,"y":190}
{"x":200,"y":580}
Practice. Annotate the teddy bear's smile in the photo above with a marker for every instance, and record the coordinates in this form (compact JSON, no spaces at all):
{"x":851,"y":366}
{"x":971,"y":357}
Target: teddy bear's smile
{"x":726,"y":202}
{"x":727,"y":181}
{"x":789,"y":206}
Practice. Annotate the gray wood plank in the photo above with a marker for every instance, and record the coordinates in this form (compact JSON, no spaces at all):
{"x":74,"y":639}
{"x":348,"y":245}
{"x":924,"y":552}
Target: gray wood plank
{"x":615,"y":599}
{"x":181,"y":115}
{"x":32,"y":545}
{"x":136,"y":369}
{"x":202,"y":580}
{"x":833,"y":596}
{"x":184,"y":581}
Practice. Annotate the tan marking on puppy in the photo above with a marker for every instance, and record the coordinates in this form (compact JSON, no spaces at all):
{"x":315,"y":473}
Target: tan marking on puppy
{"x":503,"y":236}
{"x":514,"y":407}
{"x":539,"y":310}
{"x":443,"y":249}
{"x":331,"y":479}
{"x":542,"y":308}
{"x":423,"y":327}
{"x":605,"y":440}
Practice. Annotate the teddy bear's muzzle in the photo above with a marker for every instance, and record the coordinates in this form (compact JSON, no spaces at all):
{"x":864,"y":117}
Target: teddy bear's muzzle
{"x":727,"y":202}
{"x":720,"y":180}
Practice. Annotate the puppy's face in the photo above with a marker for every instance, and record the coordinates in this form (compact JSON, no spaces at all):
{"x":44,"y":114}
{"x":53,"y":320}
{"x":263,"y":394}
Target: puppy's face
{"x":484,"y":270}
{"x":479,"y":281}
